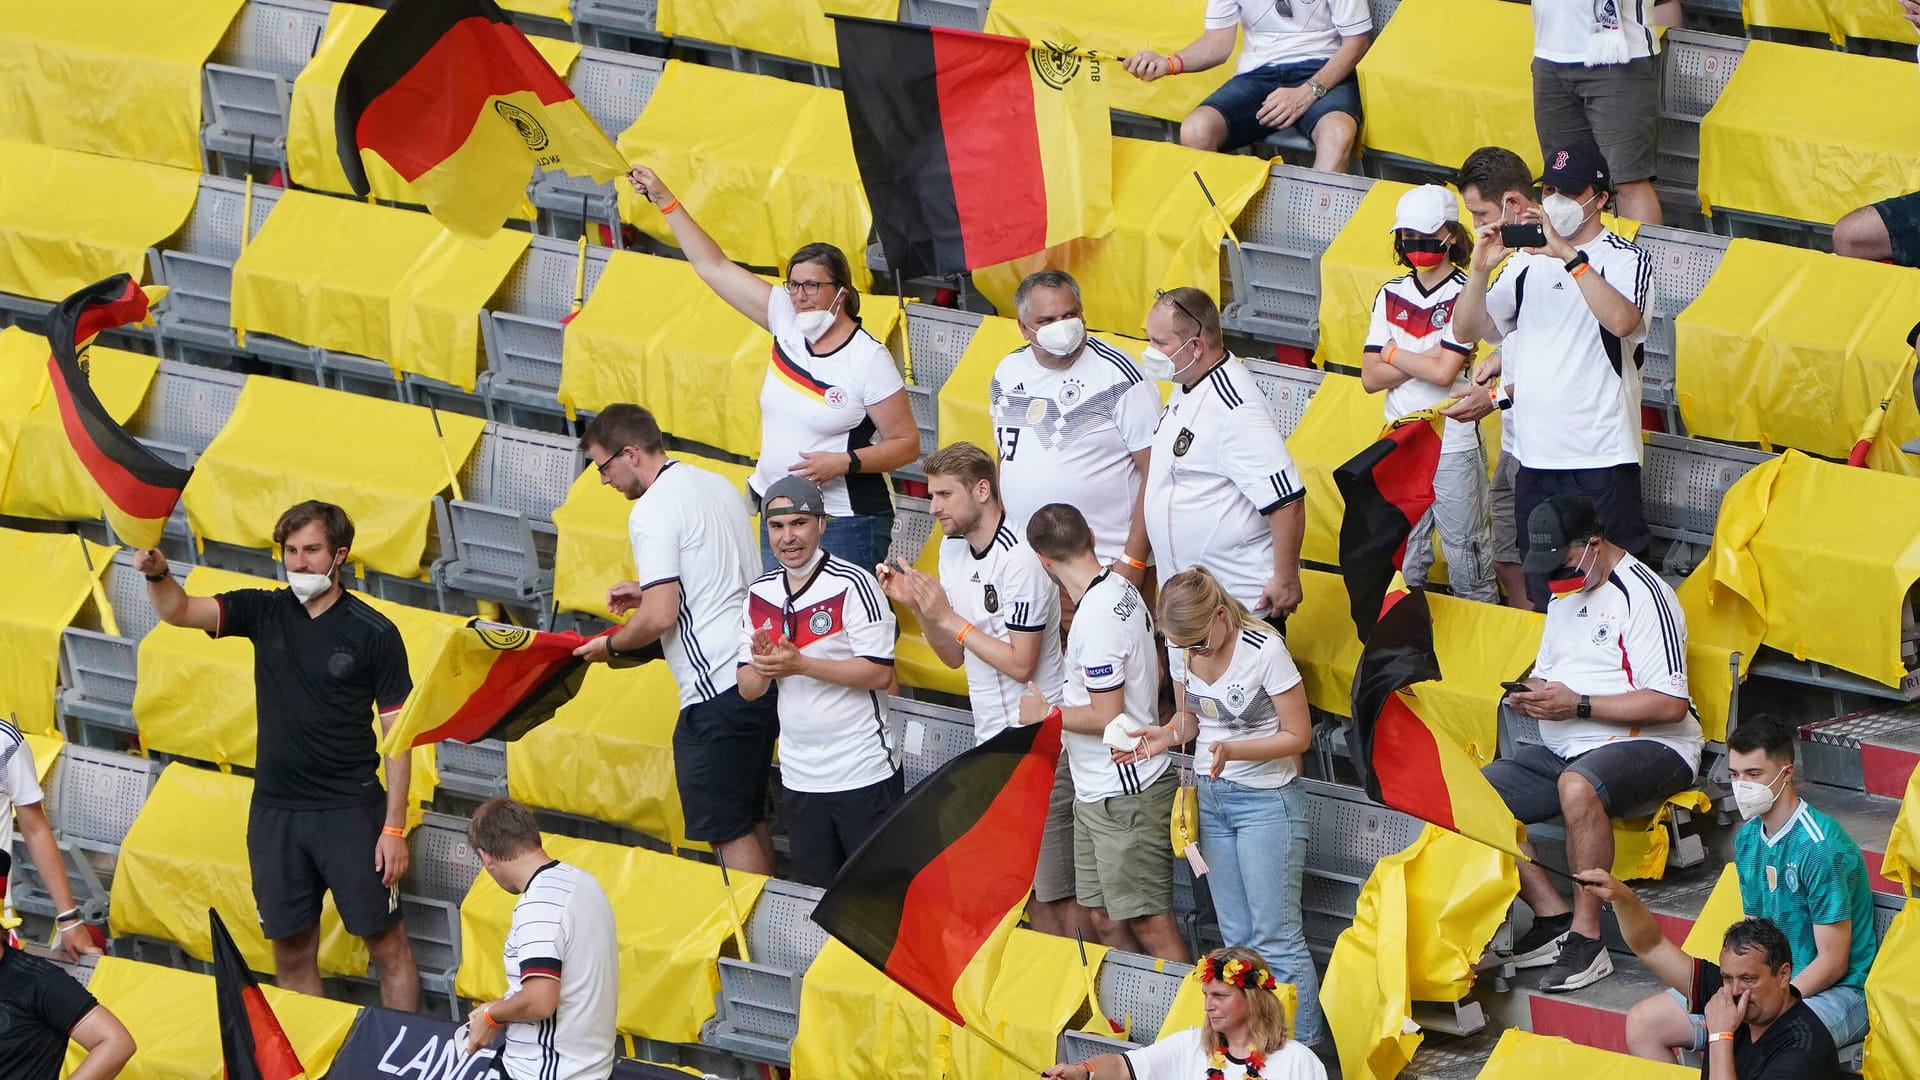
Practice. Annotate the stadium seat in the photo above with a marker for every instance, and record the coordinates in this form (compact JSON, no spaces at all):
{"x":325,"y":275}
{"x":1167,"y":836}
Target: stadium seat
{"x":1283,"y":232}
{"x":1134,"y":991}
{"x":497,"y":542}
{"x":1350,"y":270}
{"x":26,"y":890}
{"x":443,"y":866}
{"x":49,"y":582}
{"x":1488,"y":102}
{"x":1681,"y":484}
{"x":1683,"y":262}
{"x":952,"y":14}
{"x":93,"y":797}
{"x":1694,"y":69}
{"x":524,"y":325}
{"x":1340,"y":420}
{"x":1347,"y":836}
{"x":927,"y":736}
{"x":46,"y":479}
{"x":249,"y":81}
{"x":613,"y":87}
{"x":97,"y":672}
{"x":185,"y":408}
{"x":615,"y":24}
{"x":759,"y":1000}
{"x":937,"y":338}
{"x":196,"y":266}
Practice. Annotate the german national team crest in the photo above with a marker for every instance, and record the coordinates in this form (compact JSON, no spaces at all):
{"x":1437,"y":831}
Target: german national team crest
{"x":992,"y":599}
{"x":1183,"y":442}
{"x":821,"y":623}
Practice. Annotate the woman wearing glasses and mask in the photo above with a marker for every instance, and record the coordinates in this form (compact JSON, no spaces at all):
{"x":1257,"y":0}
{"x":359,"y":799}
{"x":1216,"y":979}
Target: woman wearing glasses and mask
{"x":831,"y":387}
{"x":1236,"y":690}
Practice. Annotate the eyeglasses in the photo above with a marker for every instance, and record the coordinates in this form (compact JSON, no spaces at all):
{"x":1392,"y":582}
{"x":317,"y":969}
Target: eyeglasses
{"x":1284,"y":8}
{"x":1204,"y":645}
{"x":601,"y":466}
{"x":1162,"y":294}
{"x":808,"y":289}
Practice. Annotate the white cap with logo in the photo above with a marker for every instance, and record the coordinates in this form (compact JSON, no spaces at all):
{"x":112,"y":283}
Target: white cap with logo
{"x":1426,"y":209}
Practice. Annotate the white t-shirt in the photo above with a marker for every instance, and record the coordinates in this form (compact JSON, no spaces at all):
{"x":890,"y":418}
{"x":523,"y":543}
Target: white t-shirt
{"x":1002,"y":590}
{"x":19,"y":786}
{"x":1312,"y":32}
{"x":1219,"y":467}
{"x":1240,"y":704}
{"x":1111,"y":646}
{"x":563,"y":927}
{"x":1069,"y":436}
{"x":691,"y":527}
{"x":1183,"y":1056}
{"x":1628,"y":633}
{"x":818,"y":402}
{"x":1561,"y":29}
{"x":1406,"y":315}
{"x":832,"y":738}
{"x":1576,"y":402}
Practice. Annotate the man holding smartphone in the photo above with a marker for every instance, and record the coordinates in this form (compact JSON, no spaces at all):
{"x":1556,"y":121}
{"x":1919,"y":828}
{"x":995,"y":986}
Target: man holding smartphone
{"x":1574,"y":304}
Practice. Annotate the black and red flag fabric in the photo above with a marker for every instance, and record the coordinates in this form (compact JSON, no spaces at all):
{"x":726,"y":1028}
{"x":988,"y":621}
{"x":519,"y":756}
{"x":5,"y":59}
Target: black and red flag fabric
{"x":456,"y":100}
{"x":975,"y":148}
{"x":1388,"y":488}
{"x":491,"y":681}
{"x":138,"y":488}
{"x":253,"y":1045}
{"x":1403,"y":762}
{"x":933,"y":895}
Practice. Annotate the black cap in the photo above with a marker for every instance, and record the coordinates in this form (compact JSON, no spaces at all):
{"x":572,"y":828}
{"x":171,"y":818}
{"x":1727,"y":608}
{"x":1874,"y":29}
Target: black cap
{"x":802,"y":492}
{"x":1577,"y":168}
{"x":1552,"y":528}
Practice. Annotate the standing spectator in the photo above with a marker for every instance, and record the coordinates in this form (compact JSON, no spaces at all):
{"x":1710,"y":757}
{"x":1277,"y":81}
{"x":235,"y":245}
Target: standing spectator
{"x":42,"y":1008}
{"x":1410,"y":356}
{"x":1609,"y":688}
{"x":1237,"y":691}
{"x":324,"y":663}
{"x":1296,"y":71}
{"x":562,"y":956}
{"x":1575,"y":309}
{"x":994,"y":611}
{"x":1122,"y":852}
{"x":1759,"y":1027}
{"x":830,"y":384}
{"x":820,"y":627}
{"x":1073,"y":417}
{"x":1799,"y":870}
{"x":1222,"y":491}
{"x":693,"y":554}
{"x":1595,"y":80}
{"x":22,"y":799}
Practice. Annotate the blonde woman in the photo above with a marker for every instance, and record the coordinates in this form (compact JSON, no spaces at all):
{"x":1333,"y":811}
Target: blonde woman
{"x":1245,"y":1036}
{"x":1237,"y":690}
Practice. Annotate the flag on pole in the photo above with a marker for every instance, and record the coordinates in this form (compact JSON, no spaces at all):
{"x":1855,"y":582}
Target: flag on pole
{"x":932,"y":896}
{"x":975,"y":148}
{"x":1388,"y":488}
{"x":1403,"y":761}
{"x":490,"y":681}
{"x":462,"y":106}
{"x":1871,"y":429}
{"x":253,"y":1045}
{"x":138,"y":488}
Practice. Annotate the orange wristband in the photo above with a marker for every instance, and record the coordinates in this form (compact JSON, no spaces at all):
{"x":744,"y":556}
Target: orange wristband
{"x":488,"y":1017}
{"x":670,"y":207}
{"x":961,"y":637}
{"x":1720,"y":1036}
{"x":1386,"y":354}
{"x":1131,"y":561}
{"x":1575,"y":274}
{"x":1176,"y":65}
{"x":388,"y":830}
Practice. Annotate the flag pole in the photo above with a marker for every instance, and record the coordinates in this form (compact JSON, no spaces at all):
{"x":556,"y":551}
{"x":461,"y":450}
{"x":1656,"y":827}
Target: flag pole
{"x":440,"y":437}
{"x":733,"y":908}
{"x":1218,"y":215}
{"x":1093,"y":992}
{"x":1017,"y":1059}
{"x":1858,"y":457}
{"x":107,"y":622}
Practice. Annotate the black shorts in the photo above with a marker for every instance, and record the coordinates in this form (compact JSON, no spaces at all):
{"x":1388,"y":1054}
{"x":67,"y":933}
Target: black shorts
{"x":297,"y":856}
{"x":823,"y":828}
{"x":1615,"y":494}
{"x":1901,"y":216}
{"x":1630,"y":776}
{"x":722,"y":757}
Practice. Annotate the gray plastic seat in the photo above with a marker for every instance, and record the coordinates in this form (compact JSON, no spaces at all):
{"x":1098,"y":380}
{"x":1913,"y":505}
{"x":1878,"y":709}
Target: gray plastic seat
{"x":1683,"y":480}
{"x":96,"y":683}
{"x":1283,"y":232}
{"x":1134,"y":990}
{"x":1682,"y":263}
{"x":758,"y":1007}
{"x":475,"y":770}
{"x":248,"y":80}
{"x":522,"y":331}
{"x":443,"y":865}
{"x":1694,"y":68}
{"x":1348,"y":835}
{"x":1288,"y":390}
{"x":950,"y":14}
{"x":196,"y":266}
{"x":927,"y":736}
{"x":606,"y":22}
{"x":913,"y":524}
{"x":499,"y":541}
{"x":92,"y":798}
{"x":186,"y":407}
{"x":937,"y":338}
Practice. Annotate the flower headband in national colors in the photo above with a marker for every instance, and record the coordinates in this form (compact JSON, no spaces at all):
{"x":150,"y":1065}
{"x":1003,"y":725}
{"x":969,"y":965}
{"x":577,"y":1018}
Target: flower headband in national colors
{"x":1240,"y":973}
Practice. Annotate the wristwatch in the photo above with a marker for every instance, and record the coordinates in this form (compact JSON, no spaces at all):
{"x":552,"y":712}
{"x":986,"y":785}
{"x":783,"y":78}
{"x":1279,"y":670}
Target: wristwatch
{"x":1577,"y":261}
{"x":1584,"y":710}
{"x":1318,"y":90}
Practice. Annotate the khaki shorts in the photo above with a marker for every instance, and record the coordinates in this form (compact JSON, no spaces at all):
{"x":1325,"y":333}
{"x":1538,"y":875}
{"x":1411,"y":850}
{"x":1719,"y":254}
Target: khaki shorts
{"x":1053,"y":876}
{"x":1123,"y":851}
{"x":1506,"y":531}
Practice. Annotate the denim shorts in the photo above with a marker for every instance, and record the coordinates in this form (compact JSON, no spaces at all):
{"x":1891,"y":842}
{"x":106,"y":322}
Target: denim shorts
{"x":1842,"y":1008}
{"x":1239,"y":99}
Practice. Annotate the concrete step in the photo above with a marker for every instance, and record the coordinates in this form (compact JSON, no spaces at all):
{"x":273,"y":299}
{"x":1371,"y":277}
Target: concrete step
{"x":1594,"y":1015}
{"x":1873,"y":751}
{"x":1441,"y":1057}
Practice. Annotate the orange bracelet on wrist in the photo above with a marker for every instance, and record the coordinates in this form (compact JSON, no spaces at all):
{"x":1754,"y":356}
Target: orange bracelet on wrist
{"x":1386,"y":354}
{"x":1583,"y":268}
{"x":672,"y":205}
{"x":961,"y":637}
{"x":1176,"y":65}
{"x":388,"y":830}
{"x":1131,"y":561}
{"x":488,"y":1017}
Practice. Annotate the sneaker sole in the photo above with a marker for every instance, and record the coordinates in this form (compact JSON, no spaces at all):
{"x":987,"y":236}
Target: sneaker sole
{"x":1601,"y":967}
{"x":1544,"y":956}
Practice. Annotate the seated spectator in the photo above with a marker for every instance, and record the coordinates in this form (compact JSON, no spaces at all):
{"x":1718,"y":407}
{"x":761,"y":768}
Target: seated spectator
{"x":1411,"y":359}
{"x":1758,"y":1026}
{"x":1800,"y":871}
{"x":1889,"y":230}
{"x":1296,"y":71}
{"x":22,"y":800}
{"x":1610,"y":691}
{"x":42,"y":1008}
{"x":1246,"y":1033}
{"x":1595,"y":79}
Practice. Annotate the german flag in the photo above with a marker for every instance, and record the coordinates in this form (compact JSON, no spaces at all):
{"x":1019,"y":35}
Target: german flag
{"x":1404,"y":763}
{"x":933,"y":895}
{"x":1387,"y":488}
{"x":253,"y":1045}
{"x":975,"y":148}
{"x":458,"y":101}
{"x":490,"y":681}
{"x":138,"y":488}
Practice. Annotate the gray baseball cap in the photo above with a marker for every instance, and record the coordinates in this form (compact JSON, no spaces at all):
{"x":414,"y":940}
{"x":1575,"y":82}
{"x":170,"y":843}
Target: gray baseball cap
{"x":802,"y":492}
{"x":1552,"y":529}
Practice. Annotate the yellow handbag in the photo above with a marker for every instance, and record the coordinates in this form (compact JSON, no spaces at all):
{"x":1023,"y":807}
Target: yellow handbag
{"x":1185,"y":824}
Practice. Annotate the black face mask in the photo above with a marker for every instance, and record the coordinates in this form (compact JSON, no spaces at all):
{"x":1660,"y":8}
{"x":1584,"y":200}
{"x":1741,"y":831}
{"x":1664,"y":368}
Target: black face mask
{"x":1427,"y":244}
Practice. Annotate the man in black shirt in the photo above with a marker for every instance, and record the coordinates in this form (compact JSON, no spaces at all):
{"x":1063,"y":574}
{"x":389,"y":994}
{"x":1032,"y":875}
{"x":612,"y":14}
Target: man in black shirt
{"x":324,"y":662}
{"x":1757,"y":1026}
{"x":41,"y":1007}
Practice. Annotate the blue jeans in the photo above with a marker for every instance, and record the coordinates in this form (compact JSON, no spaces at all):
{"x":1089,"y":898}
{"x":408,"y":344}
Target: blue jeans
{"x":1255,"y":844}
{"x":862,"y":540}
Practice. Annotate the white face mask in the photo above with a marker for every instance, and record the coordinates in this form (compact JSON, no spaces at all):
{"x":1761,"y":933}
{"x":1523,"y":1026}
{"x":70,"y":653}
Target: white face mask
{"x":1159,"y":365}
{"x":1754,"y":798}
{"x":814,"y":324}
{"x":308,"y":586}
{"x":1566,"y":215}
{"x":1060,"y":337}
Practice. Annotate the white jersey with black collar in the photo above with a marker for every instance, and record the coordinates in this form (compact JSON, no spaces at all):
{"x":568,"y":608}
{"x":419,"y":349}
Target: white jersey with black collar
{"x":563,"y":929}
{"x":1002,"y":590}
{"x":691,"y":527}
{"x":1110,"y":646}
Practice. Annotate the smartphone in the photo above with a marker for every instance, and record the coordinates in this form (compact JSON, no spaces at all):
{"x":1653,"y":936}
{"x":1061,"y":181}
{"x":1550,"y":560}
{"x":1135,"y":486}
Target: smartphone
{"x":1515,"y":687}
{"x":1524,"y":235}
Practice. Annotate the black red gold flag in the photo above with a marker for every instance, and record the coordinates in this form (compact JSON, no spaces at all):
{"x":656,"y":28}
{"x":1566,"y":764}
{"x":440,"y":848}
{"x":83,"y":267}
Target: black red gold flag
{"x":253,"y":1045}
{"x":1388,"y":488}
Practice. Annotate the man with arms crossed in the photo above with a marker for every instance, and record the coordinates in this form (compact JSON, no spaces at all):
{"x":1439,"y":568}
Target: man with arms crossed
{"x":324,"y":662}
{"x":693,"y":554}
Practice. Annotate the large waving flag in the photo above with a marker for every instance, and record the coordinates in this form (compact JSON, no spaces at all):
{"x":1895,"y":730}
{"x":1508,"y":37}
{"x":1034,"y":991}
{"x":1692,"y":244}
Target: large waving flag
{"x":975,"y":148}
{"x":138,"y":488}
{"x":253,"y":1045}
{"x":1388,"y":488}
{"x":490,"y":681}
{"x":458,"y":101}
{"x":1404,"y":762}
{"x":932,"y":896}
